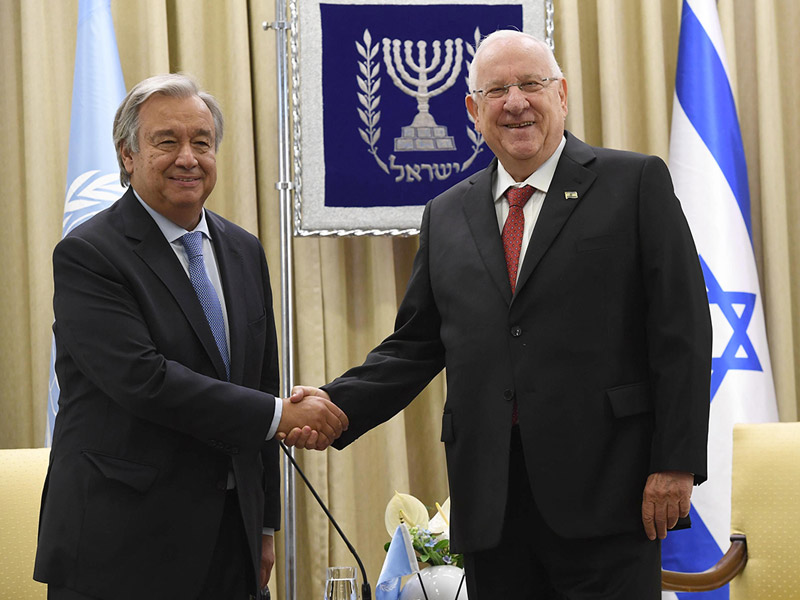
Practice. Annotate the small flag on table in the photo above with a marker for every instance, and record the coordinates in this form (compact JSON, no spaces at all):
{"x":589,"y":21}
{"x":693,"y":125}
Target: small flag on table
{"x":401,"y":560}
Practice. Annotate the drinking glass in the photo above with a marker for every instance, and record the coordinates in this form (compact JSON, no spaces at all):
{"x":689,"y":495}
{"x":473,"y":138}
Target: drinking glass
{"x":341,"y":584}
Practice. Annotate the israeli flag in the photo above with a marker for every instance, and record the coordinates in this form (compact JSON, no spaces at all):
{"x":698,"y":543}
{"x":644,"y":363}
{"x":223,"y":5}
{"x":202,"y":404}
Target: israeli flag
{"x":400,"y":560}
{"x":92,"y":169}
{"x":710,"y":174}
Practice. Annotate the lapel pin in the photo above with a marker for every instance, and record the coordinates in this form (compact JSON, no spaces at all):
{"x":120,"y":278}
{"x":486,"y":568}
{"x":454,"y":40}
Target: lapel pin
{"x":570,"y":195}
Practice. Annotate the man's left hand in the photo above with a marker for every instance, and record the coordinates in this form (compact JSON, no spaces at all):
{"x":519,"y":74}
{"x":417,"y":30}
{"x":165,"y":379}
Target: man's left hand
{"x":267,"y":559}
{"x":667,"y":496}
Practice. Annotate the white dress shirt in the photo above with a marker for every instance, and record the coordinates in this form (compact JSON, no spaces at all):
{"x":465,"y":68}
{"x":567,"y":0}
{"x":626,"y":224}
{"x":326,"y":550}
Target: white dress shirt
{"x":540,"y":180}
{"x":173,"y":233}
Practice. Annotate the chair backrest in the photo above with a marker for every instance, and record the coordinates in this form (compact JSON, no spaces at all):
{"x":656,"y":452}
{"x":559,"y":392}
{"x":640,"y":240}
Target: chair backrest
{"x":765,"y":506}
{"x":22,"y":474}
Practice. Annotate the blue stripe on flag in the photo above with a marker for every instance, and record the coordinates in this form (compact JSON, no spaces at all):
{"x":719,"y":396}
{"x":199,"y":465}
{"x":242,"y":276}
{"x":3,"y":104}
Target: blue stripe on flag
{"x":704,"y":92}
{"x":694,"y":550}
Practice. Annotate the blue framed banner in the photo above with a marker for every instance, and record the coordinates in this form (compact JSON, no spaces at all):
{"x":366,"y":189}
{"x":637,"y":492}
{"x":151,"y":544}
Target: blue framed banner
{"x":380,"y":124}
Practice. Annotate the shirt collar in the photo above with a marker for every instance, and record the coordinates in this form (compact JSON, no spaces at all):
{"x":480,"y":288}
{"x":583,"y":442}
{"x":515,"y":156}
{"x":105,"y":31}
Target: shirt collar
{"x":173,"y":231}
{"x":539,"y":179}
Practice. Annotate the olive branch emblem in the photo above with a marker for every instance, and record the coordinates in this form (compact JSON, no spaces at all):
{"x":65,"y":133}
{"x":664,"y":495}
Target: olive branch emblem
{"x":369,"y":84}
{"x":472,"y":133}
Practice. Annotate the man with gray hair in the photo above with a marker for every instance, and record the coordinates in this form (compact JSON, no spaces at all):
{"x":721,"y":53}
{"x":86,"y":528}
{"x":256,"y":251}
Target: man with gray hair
{"x":561,"y":289}
{"x":164,"y":475}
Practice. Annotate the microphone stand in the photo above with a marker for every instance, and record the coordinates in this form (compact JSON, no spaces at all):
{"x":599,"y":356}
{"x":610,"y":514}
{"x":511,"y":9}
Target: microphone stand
{"x":366,"y":591}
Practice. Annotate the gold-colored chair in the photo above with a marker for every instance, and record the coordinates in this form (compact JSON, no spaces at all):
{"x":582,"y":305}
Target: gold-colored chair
{"x":22,"y":474}
{"x":763,"y":561}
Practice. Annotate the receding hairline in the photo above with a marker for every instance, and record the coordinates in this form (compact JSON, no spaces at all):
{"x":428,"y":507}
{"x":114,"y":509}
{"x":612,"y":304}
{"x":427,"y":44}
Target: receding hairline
{"x":508,"y":36}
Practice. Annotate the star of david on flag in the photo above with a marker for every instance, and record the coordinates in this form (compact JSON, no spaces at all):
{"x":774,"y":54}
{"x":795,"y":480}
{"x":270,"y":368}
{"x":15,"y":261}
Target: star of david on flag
{"x":737,"y":308}
{"x":92,"y":169}
{"x":708,"y":167}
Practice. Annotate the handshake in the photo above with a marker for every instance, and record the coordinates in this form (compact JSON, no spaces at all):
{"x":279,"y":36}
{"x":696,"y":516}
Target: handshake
{"x":310,"y":420}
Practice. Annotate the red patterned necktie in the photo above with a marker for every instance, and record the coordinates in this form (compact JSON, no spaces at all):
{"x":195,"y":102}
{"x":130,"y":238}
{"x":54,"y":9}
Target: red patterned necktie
{"x":512,"y":230}
{"x":512,"y":244}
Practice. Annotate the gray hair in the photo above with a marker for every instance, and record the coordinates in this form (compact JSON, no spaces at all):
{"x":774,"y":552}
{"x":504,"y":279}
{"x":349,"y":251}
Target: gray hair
{"x":510,"y":34}
{"x":126,"y":121}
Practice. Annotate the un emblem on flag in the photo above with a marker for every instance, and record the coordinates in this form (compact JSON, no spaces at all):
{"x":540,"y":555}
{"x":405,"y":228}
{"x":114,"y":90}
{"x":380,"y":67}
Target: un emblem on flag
{"x":88,"y":194}
{"x":384,"y":125}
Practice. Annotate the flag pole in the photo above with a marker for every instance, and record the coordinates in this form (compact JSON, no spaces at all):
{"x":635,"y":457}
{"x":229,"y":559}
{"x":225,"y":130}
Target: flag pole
{"x":284,"y":187}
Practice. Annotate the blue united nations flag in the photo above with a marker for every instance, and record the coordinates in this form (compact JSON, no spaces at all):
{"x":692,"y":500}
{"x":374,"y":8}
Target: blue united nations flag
{"x":708,"y":167}
{"x":92,"y":170}
{"x":401,"y":560}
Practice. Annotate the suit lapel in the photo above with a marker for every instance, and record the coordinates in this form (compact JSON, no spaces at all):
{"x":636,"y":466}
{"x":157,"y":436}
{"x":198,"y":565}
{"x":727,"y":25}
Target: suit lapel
{"x":482,"y":220}
{"x":571,"y":181}
{"x":229,"y":259}
{"x":158,"y":255}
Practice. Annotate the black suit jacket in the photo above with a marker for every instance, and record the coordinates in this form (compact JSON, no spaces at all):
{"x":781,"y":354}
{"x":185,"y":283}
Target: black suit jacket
{"x":606,"y":346}
{"x":148,"y":428}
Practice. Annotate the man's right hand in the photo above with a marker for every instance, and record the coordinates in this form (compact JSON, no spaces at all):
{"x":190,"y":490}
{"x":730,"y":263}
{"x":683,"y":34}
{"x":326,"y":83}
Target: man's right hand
{"x":310,"y":419}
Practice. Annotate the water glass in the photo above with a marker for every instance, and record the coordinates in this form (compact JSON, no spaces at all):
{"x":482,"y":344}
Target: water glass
{"x":341,"y":584}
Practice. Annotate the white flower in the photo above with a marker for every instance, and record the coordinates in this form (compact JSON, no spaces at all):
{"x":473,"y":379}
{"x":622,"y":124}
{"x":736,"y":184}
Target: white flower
{"x":404,"y":508}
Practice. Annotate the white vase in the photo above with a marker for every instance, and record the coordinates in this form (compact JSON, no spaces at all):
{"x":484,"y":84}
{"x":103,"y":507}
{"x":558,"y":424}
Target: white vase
{"x":441,"y":583}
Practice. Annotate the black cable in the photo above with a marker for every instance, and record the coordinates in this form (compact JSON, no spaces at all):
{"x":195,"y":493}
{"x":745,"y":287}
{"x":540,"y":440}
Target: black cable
{"x":458,"y":591}
{"x":366,"y":591}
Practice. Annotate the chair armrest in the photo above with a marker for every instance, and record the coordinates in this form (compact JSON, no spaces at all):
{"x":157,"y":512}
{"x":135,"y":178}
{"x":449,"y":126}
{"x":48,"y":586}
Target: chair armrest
{"x":727,"y":567}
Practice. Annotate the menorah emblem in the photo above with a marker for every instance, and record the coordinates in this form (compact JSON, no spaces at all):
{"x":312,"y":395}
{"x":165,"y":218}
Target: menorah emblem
{"x":423,"y":133}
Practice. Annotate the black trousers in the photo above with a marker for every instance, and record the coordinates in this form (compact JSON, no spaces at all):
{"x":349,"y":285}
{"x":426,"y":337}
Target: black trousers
{"x":534,"y":563}
{"x":229,"y":577}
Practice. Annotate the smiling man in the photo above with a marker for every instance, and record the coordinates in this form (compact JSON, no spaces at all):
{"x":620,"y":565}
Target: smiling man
{"x":561,"y":289}
{"x":521,"y":107}
{"x":164,"y":476}
{"x":175,"y":165}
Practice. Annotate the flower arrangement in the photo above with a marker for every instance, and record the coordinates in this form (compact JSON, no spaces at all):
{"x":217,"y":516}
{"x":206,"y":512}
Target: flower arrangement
{"x":430,"y":537}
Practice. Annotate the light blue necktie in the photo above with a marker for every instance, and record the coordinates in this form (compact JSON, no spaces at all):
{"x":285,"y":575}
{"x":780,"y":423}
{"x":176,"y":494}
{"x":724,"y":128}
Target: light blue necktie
{"x":193,"y":242}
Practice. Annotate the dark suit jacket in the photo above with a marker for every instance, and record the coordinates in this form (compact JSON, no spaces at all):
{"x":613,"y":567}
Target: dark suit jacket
{"x":148,"y":428}
{"x":606,"y":347}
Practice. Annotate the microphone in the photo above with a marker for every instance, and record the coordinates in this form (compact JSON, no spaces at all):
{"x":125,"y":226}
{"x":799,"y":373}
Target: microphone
{"x":366,"y":592}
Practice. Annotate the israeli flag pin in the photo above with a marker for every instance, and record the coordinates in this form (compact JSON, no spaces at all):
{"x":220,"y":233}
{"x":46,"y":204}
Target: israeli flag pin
{"x":570,"y":195}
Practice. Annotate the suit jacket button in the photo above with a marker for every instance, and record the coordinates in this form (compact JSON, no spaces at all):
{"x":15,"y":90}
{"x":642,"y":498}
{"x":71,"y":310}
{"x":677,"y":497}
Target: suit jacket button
{"x":508,"y":395}
{"x":516,"y":331}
